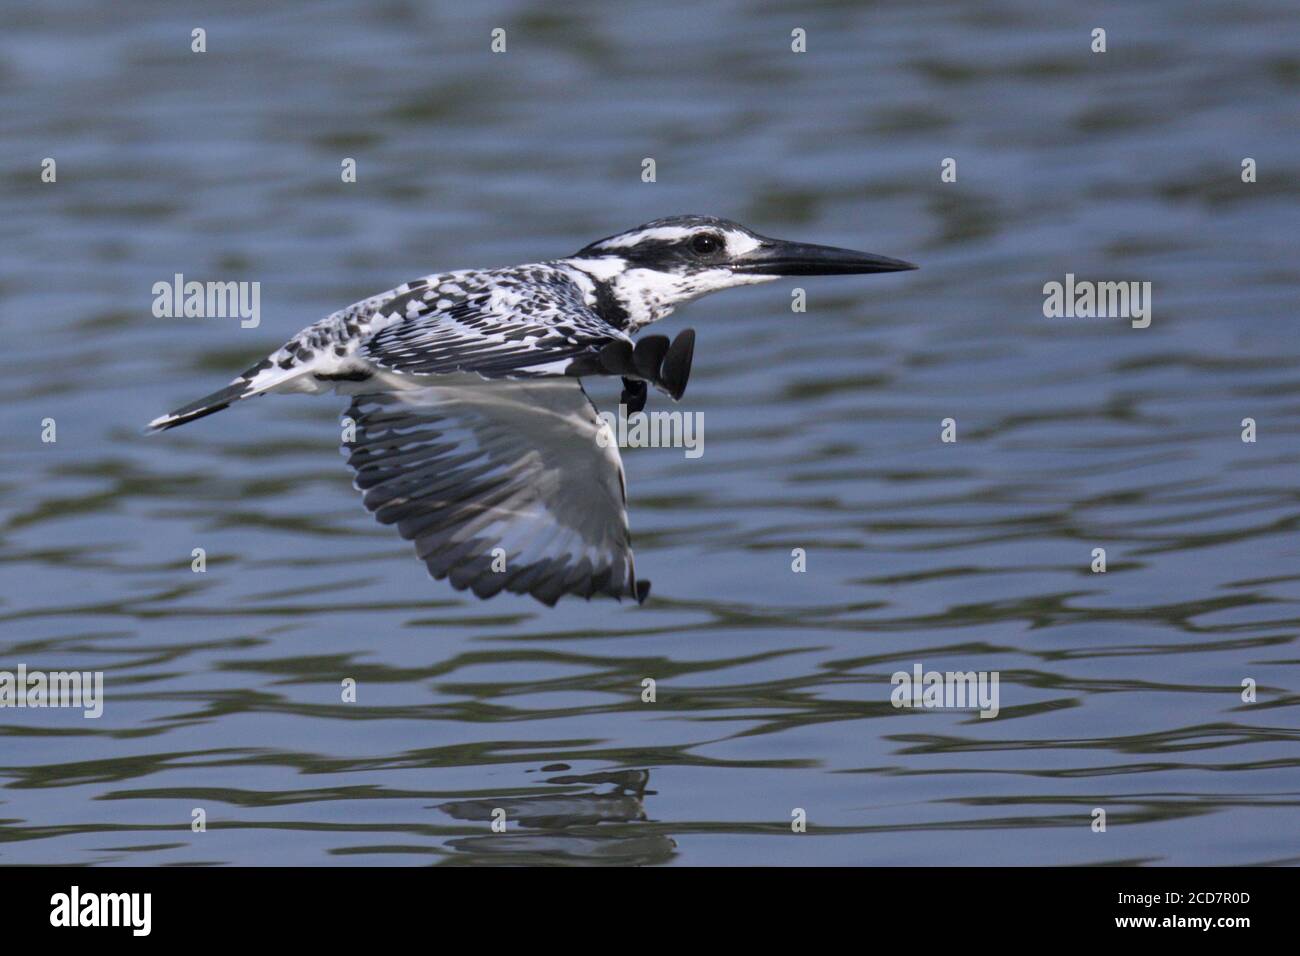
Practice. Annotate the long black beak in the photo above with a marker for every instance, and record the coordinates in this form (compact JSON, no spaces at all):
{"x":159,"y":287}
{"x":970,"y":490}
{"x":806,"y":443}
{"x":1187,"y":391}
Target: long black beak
{"x":776,"y":257}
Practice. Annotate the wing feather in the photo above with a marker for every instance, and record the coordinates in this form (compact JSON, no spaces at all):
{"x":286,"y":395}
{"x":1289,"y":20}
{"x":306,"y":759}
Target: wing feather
{"x":467,"y":467}
{"x":510,"y":324}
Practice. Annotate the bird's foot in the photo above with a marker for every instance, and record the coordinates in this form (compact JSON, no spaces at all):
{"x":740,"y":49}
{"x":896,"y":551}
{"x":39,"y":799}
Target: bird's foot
{"x":635,"y":393}
{"x":654,"y":360}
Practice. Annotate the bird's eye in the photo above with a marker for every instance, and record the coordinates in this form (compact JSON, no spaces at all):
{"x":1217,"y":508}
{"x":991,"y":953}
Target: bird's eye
{"x":705,"y":243}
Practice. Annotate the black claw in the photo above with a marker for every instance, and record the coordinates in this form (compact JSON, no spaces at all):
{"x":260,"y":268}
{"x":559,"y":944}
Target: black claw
{"x":642,"y":591}
{"x":676,"y":368}
{"x":635,"y":393}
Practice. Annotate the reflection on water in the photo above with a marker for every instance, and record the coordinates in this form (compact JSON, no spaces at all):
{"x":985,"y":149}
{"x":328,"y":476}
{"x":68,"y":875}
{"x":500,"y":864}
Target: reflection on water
{"x":1120,"y":690}
{"x":594,"y":820}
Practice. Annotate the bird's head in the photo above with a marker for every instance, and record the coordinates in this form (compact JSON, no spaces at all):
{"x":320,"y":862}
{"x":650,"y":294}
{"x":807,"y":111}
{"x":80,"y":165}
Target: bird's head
{"x":647,"y":271}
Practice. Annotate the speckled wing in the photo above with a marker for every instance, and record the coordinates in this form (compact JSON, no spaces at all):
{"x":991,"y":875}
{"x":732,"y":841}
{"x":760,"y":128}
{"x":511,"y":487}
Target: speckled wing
{"x":501,"y":485}
{"x":517,"y":323}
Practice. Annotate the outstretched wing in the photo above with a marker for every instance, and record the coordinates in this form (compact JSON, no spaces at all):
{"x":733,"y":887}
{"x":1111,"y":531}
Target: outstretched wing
{"x":522,"y":323}
{"x":501,"y":485}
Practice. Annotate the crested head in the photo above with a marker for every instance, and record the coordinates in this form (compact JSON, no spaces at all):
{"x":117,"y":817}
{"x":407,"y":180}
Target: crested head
{"x":646,"y":272}
{"x":671,"y":241}
{"x":642,"y":274}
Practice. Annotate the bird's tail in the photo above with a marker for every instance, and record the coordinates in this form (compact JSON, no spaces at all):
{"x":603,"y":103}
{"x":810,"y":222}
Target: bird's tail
{"x":203,"y":406}
{"x":258,"y":379}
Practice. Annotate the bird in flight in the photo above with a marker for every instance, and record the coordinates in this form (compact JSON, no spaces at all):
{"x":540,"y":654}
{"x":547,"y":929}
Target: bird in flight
{"x":470,"y":428}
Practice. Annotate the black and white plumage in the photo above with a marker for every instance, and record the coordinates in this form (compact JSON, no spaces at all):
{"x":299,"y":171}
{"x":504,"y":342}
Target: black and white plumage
{"x":473,"y":434}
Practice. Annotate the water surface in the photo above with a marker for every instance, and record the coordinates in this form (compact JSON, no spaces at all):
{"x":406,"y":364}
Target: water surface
{"x":1119,"y":691}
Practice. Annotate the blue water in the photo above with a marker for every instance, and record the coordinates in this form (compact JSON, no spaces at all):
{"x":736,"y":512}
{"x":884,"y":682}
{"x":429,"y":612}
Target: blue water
{"x":1118,"y":691}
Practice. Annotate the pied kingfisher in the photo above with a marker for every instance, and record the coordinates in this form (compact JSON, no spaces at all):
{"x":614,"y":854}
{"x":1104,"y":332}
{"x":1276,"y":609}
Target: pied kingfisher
{"x":472,"y":431}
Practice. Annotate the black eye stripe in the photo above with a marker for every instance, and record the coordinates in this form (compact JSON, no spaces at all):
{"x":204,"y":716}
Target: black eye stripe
{"x":667,"y":254}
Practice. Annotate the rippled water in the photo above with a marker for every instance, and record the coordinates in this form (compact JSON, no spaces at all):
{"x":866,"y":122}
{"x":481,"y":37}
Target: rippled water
{"x":1119,"y":691}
